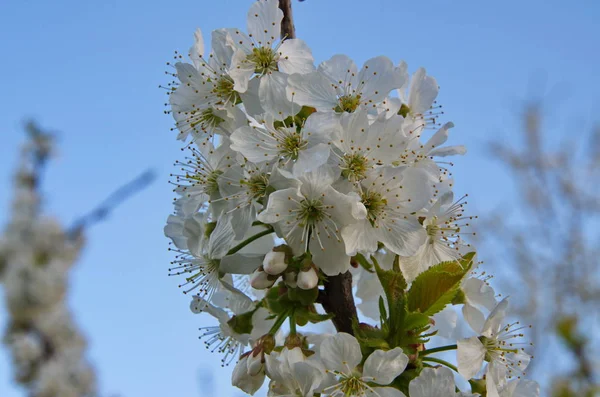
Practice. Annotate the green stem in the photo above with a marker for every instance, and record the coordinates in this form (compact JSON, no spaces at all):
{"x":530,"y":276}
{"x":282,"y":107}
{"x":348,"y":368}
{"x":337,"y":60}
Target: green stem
{"x":438,"y":349}
{"x":249,"y":240}
{"x":292,"y":324}
{"x":438,"y":361}
{"x":278,"y":323}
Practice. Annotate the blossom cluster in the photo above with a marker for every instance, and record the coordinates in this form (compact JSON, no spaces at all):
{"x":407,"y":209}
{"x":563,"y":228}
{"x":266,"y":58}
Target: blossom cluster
{"x":36,"y":255}
{"x":298,"y":175}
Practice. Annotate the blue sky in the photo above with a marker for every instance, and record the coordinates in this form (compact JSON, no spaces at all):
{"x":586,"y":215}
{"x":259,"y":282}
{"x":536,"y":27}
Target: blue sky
{"x":90,"y":70}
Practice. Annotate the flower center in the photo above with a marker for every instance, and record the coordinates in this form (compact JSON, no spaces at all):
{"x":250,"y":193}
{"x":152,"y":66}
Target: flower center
{"x":404,"y":110}
{"x":353,"y":386}
{"x":354,"y":166}
{"x":207,"y":119}
{"x":432,"y":229}
{"x":257,"y":186}
{"x":212,"y":184}
{"x":311,"y":211}
{"x":264,"y":59}
{"x":374,"y":203}
{"x":348,"y":103}
{"x":224,"y":90}
{"x":291,"y":145}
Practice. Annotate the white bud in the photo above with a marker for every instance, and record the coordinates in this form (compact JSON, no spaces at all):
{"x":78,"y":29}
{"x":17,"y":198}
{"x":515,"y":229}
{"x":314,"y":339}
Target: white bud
{"x":274,"y":263}
{"x":290,"y":279}
{"x":242,"y":379}
{"x":308,"y":279}
{"x":260,"y":280}
{"x":255,"y":364}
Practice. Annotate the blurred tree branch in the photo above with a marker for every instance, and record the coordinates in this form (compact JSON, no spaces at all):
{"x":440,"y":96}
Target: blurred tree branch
{"x":551,"y":242}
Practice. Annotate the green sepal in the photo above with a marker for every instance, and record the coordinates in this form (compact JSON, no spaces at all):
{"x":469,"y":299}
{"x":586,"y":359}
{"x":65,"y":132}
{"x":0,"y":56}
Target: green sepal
{"x":305,"y":297}
{"x":363,"y":262}
{"x":309,"y":313}
{"x":394,"y":286}
{"x":241,"y":323}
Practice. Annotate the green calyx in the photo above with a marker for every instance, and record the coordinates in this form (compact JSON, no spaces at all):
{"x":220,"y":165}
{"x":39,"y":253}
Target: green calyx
{"x":264,"y":59}
{"x":242,"y":323}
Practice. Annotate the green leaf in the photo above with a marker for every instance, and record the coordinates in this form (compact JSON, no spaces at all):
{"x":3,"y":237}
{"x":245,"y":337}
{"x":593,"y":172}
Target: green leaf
{"x":436,"y":287}
{"x":416,"y":321}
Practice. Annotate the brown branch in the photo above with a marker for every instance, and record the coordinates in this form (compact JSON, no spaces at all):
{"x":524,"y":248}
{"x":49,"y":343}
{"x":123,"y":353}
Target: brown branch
{"x":288,"y":31}
{"x":337,"y":299}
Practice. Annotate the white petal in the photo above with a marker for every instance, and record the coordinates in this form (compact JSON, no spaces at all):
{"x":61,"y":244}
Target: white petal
{"x":311,"y":158}
{"x":174,"y":230}
{"x":241,"y":379}
{"x":384,"y":392}
{"x":433,"y":382}
{"x":359,"y":236}
{"x":279,"y":205}
{"x":264,"y":22}
{"x":385,"y":366}
{"x":295,"y":57}
{"x":272,"y":94}
{"x":240,"y":70}
{"x":380,"y":77}
{"x":307,"y":376}
{"x":339,"y":68}
{"x":402,"y":236}
{"x":240,"y":264}
{"x":474,"y":317}
{"x":312,"y":89}
{"x":479,"y":293}
{"x":340,"y":352}
{"x":448,"y":151}
{"x":494,"y":321}
{"x":254,"y":143}
{"x":423,"y":91}
{"x":470,"y":354}
{"x":222,"y":237}
{"x":439,"y":137}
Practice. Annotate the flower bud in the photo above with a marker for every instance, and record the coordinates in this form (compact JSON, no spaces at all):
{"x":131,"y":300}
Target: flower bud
{"x":274,"y":263}
{"x":242,"y":379}
{"x":308,"y":279}
{"x":290,"y":279}
{"x":255,"y":364}
{"x":260,"y":280}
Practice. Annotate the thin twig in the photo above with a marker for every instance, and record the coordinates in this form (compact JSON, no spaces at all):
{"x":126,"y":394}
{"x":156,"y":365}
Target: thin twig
{"x":117,"y":197}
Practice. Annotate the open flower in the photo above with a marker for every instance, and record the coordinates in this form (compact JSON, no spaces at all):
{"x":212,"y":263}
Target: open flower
{"x":389,"y":195}
{"x":341,"y":356}
{"x":311,"y":217}
{"x":496,"y":344}
{"x":435,"y":382}
{"x":292,"y":375}
{"x":337,"y":86}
